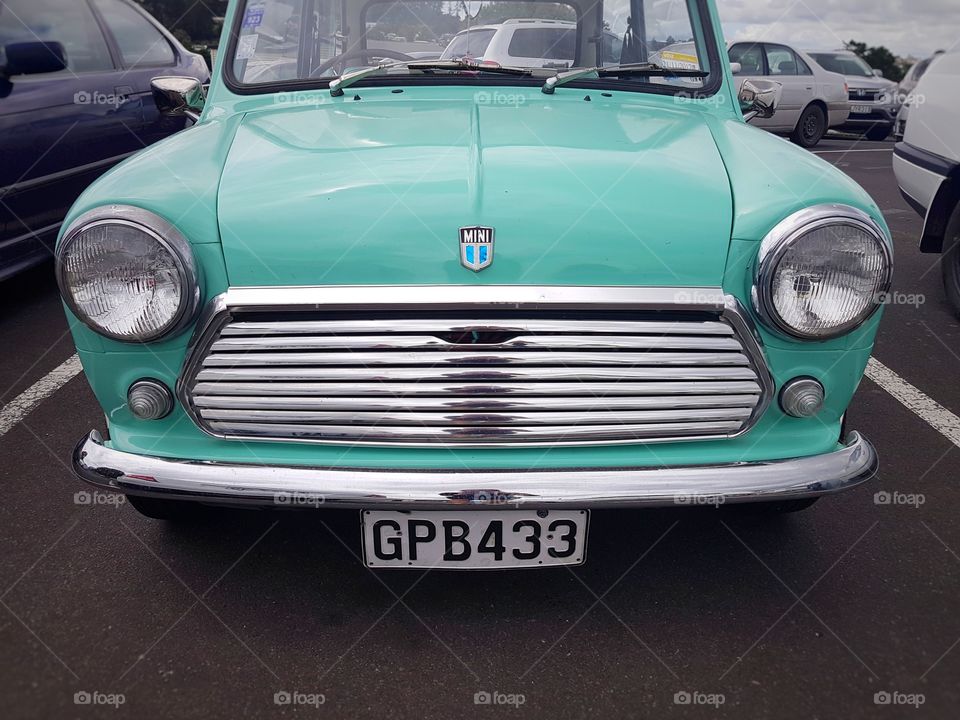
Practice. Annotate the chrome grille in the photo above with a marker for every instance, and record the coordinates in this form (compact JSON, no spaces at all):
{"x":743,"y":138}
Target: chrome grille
{"x":475,"y":378}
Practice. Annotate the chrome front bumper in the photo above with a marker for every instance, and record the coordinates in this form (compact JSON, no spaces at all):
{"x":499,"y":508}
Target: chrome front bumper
{"x":223,"y":483}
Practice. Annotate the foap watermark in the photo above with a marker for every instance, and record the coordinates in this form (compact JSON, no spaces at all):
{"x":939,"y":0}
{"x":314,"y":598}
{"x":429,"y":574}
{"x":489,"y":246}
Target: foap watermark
{"x":99,"y":98}
{"x":514,"y":700}
{"x":299,"y":499}
{"x":498,"y":97}
{"x":95,"y":497}
{"x":695,"y":697}
{"x":898,"y":298}
{"x":697,"y":297}
{"x":95,"y":697}
{"x":294,"y":697}
{"x":296,"y":98}
{"x":898,"y":498}
{"x":895,"y":697}
{"x":698,"y":499}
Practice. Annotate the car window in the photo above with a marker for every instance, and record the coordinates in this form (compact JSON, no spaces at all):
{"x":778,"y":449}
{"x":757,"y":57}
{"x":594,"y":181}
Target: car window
{"x":750,"y":58}
{"x":781,"y":60}
{"x":611,"y":49}
{"x":553,"y":43}
{"x":71,"y":24}
{"x":802,"y":67}
{"x":140,"y":42}
{"x":472,"y":44}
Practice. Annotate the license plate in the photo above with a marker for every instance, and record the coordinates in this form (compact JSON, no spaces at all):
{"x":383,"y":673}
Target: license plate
{"x":861,"y":109}
{"x":474,"y":539}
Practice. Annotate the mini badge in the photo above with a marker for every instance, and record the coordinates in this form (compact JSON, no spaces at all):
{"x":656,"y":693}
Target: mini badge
{"x":476,"y":247}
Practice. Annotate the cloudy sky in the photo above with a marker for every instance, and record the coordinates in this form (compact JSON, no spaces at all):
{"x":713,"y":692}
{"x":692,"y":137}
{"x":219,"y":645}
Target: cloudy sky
{"x":916,"y":27}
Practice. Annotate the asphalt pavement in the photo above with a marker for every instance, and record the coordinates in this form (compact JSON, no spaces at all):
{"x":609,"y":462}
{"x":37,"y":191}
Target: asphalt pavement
{"x":849,"y":609}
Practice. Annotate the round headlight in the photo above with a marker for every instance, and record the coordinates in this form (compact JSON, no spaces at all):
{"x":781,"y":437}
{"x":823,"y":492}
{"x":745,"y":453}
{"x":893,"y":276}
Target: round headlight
{"x":128,"y":274}
{"x":822,"y":272}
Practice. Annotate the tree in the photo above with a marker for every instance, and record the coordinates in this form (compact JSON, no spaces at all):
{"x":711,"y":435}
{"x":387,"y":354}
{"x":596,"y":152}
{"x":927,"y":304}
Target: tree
{"x":879,"y":58}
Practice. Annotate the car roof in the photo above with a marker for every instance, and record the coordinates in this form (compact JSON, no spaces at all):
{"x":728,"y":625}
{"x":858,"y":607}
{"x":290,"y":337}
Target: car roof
{"x":519,"y":21}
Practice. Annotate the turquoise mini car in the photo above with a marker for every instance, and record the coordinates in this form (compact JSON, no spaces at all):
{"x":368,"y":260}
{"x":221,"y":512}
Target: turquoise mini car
{"x":470,"y":298}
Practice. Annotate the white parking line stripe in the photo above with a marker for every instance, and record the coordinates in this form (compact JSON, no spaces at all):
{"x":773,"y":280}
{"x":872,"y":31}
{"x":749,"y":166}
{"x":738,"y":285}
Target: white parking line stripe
{"x":915,"y":400}
{"x":18,"y":408}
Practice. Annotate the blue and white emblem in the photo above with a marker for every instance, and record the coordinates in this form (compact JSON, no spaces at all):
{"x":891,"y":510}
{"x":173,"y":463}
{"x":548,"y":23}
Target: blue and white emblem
{"x":476,"y":247}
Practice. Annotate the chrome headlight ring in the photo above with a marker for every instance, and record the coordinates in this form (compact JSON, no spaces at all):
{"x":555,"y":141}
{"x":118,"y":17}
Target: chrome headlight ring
{"x":784,"y":237}
{"x":168,"y":239}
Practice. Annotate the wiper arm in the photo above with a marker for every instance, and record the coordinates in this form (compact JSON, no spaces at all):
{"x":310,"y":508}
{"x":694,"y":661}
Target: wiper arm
{"x":552,"y":83}
{"x":344,"y":81}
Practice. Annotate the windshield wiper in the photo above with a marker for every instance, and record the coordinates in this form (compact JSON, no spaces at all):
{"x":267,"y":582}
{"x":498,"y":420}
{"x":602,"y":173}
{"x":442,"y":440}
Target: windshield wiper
{"x":346,"y":80}
{"x":562,"y":78}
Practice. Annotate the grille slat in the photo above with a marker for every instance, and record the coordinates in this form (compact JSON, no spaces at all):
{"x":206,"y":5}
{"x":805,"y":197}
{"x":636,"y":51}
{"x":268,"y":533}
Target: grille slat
{"x":395,"y":404}
{"x":467,"y":419}
{"x":481,"y":357}
{"x":593,"y":377}
{"x":210,"y":390}
{"x":426,"y":342}
{"x":479,"y":434}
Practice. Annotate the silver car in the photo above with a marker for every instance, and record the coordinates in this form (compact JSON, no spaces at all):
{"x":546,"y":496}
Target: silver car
{"x":813,"y":99}
{"x":874,"y":100}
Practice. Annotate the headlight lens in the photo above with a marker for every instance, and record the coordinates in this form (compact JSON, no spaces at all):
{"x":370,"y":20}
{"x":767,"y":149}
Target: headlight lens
{"x":127,"y":274}
{"x":822,"y":272}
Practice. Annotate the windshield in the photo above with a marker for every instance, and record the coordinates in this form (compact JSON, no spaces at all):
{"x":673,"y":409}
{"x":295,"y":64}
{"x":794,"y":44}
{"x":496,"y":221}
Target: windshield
{"x":278,"y":42}
{"x":843,"y":63}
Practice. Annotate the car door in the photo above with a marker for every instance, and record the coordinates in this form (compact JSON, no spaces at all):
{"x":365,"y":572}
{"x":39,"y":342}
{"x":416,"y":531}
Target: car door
{"x":798,"y":89}
{"x":144,"y":53}
{"x":753,"y":66}
{"x":59,"y":130}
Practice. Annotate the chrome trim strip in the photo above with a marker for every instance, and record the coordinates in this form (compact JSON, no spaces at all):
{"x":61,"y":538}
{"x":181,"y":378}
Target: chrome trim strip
{"x":748,"y":371}
{"x":446,"y":297}
{"x":456,"y":488}
{"x":386,"y":327}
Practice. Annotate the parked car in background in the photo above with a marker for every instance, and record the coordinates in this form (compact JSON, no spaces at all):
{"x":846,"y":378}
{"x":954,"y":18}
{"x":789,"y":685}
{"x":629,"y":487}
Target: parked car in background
{"x":874,"y":100}
{"x":74,"y":100}
{"x":914,"y":74}
{"x":927,"y":166}
{"x":404,"y":299}
{"x":813,"y":99}
{"x":528,"y":42}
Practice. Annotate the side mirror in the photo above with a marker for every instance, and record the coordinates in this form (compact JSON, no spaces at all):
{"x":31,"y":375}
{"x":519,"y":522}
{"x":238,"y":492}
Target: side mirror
{"x":178,"y":96}
{"x":878,"y":73}
{"x":736,"y":68}
{"x":33,"y":58}
{"x":759,"y":98}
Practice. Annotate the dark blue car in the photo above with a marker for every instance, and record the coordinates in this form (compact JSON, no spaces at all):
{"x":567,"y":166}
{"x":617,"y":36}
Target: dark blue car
{"x":75,"y":100}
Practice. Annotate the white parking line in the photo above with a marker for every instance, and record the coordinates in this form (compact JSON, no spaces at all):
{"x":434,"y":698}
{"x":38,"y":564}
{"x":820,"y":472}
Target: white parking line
{"x":918,"y":402}
{"x":18,"y":408}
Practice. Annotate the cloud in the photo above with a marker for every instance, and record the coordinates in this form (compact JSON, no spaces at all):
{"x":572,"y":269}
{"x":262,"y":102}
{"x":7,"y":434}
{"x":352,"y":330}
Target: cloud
{"x":917,"y":27}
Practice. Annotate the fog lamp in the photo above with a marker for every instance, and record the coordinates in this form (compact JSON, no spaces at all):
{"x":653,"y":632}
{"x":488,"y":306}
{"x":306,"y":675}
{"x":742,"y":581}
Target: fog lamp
{"x":802,"y":397}
{"x":149,"y":399}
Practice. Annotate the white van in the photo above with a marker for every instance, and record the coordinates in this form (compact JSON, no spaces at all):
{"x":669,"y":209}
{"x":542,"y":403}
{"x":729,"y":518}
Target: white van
{"x":927,"y":165}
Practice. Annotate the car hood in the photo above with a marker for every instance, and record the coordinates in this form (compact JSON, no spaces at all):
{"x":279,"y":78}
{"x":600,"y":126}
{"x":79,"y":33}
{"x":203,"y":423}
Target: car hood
{"x":860,"y":82}
{"x":374,"y":191}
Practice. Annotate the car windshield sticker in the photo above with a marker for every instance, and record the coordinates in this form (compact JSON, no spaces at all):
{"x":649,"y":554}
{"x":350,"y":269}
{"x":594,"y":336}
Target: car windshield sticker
{"x":247,"y":47}
{"x":254,"y":16}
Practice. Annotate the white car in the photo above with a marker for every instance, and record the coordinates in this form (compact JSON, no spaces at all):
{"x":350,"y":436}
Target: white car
{"x":927,"y":166}
{"x":526,"y":43}
{"x":813,"y":99}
